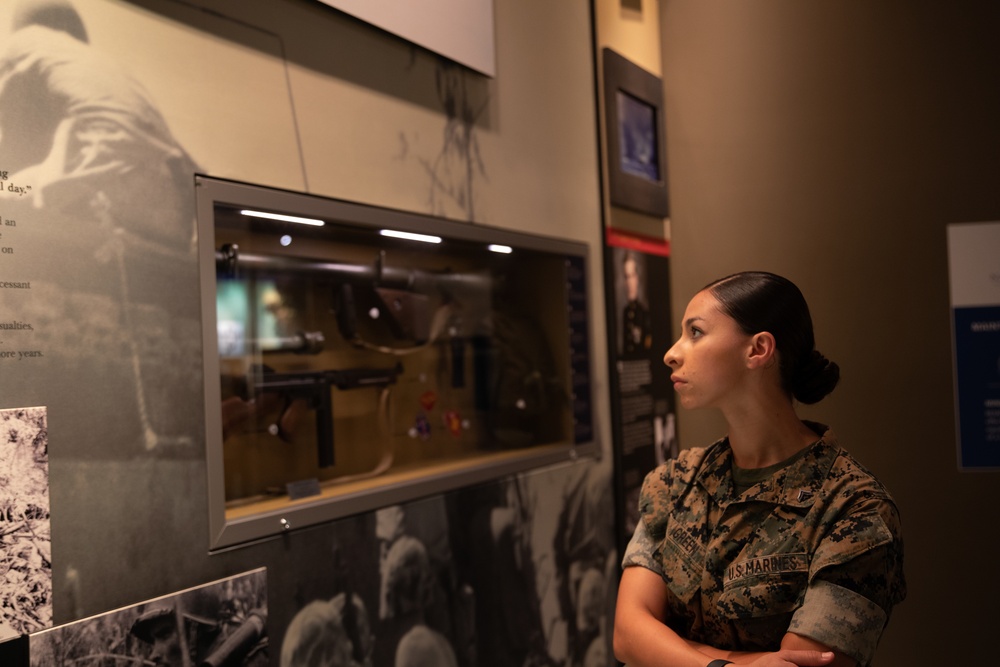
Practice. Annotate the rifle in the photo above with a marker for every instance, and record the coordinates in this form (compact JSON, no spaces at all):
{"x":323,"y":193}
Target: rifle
{"x":248,"y":638}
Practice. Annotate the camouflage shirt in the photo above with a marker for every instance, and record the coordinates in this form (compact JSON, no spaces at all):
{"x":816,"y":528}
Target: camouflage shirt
{"x":816,"y":550}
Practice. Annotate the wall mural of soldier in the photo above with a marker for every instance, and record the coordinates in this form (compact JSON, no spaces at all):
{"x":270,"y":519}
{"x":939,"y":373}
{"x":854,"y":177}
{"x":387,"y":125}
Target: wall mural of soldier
{"x":519,"y":573}
{"x":86,"y":149}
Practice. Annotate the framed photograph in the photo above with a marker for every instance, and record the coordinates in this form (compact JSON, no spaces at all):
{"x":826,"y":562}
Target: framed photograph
{"x":643,"y":413}
{"x":636,"y":140}
{"x":223,"y":622}
{"x":25,"y":533}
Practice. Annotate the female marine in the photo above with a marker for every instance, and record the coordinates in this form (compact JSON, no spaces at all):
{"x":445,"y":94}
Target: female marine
{"x":772,"y":547}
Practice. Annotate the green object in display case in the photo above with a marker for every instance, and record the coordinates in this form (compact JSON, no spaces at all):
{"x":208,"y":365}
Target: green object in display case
{"x":357,"y":357}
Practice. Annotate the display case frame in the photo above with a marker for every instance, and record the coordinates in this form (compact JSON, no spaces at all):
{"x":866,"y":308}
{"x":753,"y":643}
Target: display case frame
{"x":234,"y":526}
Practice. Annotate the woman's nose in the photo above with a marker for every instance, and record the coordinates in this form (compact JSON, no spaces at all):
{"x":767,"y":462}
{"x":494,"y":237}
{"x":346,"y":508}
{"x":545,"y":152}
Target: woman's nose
{"x":670,"y":358}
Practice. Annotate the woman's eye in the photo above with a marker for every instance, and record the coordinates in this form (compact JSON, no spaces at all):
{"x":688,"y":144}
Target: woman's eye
{"x":696,"y":332}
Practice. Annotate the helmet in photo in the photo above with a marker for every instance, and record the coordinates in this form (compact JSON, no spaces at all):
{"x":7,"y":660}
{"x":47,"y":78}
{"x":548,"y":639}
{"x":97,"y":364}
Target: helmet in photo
{"x":200,"y":610}
{"x":55,"y":14}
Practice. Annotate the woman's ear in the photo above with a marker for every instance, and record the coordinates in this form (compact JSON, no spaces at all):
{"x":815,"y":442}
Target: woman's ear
{"x":763,"y":351}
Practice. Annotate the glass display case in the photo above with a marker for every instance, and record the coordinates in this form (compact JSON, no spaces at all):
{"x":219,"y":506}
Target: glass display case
{"x":358,"y":357}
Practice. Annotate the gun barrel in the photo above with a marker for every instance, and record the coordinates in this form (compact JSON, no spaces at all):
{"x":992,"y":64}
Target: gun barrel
{"x":303,"y":342}
{"x":238,"y":645}
{"x":341,"y":271}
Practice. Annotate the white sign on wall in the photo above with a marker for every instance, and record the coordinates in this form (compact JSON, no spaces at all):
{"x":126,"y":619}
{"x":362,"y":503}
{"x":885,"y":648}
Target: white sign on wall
{"x":974,"y":266}
{"x":461,"y":30}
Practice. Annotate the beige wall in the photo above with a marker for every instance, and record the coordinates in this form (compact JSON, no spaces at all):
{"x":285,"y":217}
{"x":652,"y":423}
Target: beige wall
{"x":833,"y":142}
{"x":293,"y":94}
{"x":632,"y":29}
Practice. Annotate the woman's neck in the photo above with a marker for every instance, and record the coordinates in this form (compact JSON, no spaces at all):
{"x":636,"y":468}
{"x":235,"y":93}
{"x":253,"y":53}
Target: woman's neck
{"x":767,"y":432}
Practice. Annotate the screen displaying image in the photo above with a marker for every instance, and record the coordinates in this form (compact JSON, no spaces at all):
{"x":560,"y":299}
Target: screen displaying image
{"x":637,"y":137}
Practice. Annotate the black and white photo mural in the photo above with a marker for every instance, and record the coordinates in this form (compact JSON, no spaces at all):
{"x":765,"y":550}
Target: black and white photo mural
{"x":520,"y":572}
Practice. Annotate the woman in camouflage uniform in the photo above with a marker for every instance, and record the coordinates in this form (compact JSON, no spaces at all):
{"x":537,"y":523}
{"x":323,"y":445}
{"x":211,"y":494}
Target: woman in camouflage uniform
{"x":772,"y":547}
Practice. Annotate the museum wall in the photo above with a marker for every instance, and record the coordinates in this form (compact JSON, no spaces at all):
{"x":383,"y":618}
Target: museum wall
{"x":834,"y":142}
{"x":286,"y":94}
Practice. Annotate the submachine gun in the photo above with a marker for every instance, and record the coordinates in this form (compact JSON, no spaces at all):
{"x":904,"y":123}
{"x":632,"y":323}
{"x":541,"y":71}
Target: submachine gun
{"x":315,"y":387}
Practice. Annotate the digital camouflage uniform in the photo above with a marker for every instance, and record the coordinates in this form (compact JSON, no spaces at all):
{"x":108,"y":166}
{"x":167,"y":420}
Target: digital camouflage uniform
{"x":816,"y":550}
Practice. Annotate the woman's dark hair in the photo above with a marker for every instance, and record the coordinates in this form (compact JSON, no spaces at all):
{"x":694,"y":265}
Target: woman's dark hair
{"x":760,"y":301}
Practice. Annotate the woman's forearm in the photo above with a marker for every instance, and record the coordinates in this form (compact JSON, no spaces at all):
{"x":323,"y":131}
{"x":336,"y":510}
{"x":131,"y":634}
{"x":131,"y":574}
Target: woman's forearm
{"x":644,"y":641}
{"x":641,"y":636}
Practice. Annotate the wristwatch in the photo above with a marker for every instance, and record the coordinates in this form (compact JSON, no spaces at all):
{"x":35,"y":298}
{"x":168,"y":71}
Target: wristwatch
{"x":720,"y":663}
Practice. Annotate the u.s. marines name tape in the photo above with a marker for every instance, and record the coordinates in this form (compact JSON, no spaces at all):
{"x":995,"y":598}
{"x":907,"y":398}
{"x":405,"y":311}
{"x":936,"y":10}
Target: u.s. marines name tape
{"x":771,"y":564}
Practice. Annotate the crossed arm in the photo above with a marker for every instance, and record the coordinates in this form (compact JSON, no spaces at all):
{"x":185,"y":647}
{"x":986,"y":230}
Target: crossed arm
{"x":642,"y":638}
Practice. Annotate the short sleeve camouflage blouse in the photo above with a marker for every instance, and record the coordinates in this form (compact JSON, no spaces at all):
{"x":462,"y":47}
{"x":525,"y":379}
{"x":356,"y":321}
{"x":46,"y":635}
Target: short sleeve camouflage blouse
{"x":816,"y":550}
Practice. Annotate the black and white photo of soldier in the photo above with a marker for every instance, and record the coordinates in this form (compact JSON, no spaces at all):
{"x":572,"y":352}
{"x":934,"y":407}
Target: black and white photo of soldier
{"x":396,"y":567}
{"x":25,"y":539}
{"x":330,"y":633}
{"x":635,"y":322}
{"x":409,"y":596}
{"x":585,"y":564}
{"x":221,"y":623}
{"x":422,"y":611}
{"x":327,"y":614}
{"x":92,"y":168}
{"x":84,"y":133}
{"x":497,"y":569}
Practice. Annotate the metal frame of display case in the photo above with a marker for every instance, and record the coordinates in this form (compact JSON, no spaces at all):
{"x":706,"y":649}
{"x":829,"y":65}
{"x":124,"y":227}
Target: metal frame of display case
{"x":231,"y":527}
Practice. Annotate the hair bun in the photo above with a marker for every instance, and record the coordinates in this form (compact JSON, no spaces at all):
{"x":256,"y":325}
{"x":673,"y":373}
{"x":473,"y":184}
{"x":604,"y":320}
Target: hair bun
{"x":816,"y":377}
